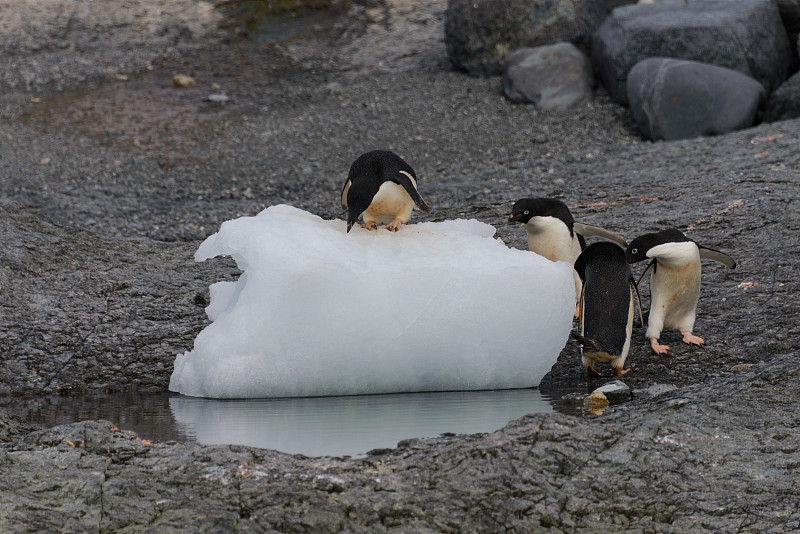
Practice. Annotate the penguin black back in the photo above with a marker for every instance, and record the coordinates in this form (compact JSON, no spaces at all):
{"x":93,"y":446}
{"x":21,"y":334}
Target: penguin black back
{"x":607,"y":280}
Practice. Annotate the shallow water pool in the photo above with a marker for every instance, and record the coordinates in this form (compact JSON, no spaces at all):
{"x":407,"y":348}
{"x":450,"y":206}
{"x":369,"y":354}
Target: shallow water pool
{"x":320,"y":426}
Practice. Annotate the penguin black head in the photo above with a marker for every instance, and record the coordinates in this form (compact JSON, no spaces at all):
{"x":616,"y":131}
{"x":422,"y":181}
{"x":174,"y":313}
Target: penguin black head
{"x":527,"y":208}
{"x":639,"y":247}
{"x":359,"y":198}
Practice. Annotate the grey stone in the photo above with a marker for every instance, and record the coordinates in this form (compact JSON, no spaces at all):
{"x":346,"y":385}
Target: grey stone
{"x":478,"y":35}
{"x":745,"y":36}
{"x":784,"y":102}
{"x":557,"y":76}
{"x":676,"y":99}
{"x":615,"y":391}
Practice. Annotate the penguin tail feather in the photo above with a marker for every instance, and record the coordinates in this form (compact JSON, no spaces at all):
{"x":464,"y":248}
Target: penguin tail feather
{"x":588,"y":344}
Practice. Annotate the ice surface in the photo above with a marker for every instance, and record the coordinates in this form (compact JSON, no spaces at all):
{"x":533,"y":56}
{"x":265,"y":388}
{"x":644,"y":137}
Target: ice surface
{"x":316,"y":312}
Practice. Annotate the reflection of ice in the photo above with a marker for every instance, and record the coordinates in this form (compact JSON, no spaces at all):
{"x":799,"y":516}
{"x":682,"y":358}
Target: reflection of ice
{"x":337,"y":426}
{"x":434,"y":307}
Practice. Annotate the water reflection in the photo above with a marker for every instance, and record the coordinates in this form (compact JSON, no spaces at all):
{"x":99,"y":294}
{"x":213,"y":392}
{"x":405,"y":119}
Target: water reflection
{"x":323,"y":426}
{"x":350,"y":425}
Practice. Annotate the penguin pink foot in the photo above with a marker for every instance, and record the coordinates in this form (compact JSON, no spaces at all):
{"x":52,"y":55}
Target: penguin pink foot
{"x":658,"y":349}
{"x":394,"y":225}
{"x":692,"y":340}
{"x":371,"y":225}
{"x":591,"y":371}
{"x":619,"y":371}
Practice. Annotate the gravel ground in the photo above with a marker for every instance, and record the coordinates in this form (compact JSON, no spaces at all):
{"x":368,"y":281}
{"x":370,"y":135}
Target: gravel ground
{"x":109,"y":180}
{"x":140,"y":165}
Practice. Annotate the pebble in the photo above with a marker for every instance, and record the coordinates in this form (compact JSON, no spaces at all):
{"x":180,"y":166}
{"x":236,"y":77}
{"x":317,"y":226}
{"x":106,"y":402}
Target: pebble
{"x":596,"y":399}
{"x":615,"y":391}
{"x":181,"y":80}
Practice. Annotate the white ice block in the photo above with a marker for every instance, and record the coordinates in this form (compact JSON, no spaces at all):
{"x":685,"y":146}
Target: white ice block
{"x":433,"y":307}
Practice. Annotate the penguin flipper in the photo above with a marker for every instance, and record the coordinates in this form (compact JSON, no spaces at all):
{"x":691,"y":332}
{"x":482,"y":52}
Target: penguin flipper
{"x":717,"y":256}
{"x":635,"y":292}
{"x":595,"y":231}
{"x":651,"y":267}
{"x":345,"y":189}
{"x":403,"y":178}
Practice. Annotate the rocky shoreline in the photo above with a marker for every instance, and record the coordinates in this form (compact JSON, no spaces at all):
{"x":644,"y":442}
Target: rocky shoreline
{"x":107,"y":187}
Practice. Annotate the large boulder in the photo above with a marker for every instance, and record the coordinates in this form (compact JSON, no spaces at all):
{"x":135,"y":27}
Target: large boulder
{"x":747,"y":36}
{"x":677,"y":99}
{"x":556,"y":76}
{"x":784,"y":102}
{"x":790,"y":13}
{"x":479,"y":33}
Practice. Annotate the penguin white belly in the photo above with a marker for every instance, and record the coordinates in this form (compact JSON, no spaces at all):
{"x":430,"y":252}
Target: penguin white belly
{"x":674,"y":291}
{"x":389,"y":203}
{"x":550,"y":237}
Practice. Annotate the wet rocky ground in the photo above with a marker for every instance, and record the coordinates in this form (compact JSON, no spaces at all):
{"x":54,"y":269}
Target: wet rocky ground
{"x":109,"y":179}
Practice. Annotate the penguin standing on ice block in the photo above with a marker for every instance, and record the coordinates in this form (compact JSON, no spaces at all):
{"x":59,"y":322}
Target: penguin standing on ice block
{"x":605,"y":320}
{"x":674,"y":281}
{"x":554,"y":234}
{"x":382,"y":188}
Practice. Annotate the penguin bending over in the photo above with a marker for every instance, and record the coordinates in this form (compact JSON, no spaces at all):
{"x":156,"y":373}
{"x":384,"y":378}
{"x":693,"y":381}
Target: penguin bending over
{"x":382,"y":187}
{"x":605,"y":321}
{"x":674,"y":281}
{"x":554,"y":234}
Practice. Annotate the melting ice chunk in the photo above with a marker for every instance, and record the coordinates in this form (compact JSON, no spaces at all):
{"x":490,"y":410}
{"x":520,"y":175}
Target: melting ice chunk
{"x":316,"y":312}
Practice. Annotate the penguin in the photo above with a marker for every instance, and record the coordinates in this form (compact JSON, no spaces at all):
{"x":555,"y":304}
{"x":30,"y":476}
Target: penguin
{"x":606,"y":306}
{"x":382,"y":187}
{"x":554,"y":234}
{"x":674,"y":281}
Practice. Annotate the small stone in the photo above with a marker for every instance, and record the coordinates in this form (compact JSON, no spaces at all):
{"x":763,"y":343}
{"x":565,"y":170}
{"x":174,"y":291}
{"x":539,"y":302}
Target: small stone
{"x":44,"y":161}
{"x":596,"y":399}
{"x":181,"y":80}
{"x":615,"y":391}
{"x":742,"y":366}
{"x":217,"y":98}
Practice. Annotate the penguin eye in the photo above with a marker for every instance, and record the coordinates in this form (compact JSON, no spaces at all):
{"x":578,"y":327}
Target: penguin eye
{"x":526,"y":212}
{"x":634,"y":251}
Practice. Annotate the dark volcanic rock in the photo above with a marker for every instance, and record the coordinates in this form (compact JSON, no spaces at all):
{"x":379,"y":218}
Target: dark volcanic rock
{"x":478,"y":35}
{"x":80,"y":310}
{"x":676,"y":99}
{"x":744,"y":36}
{"x":784,"y":102}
